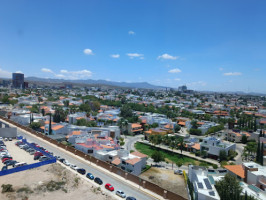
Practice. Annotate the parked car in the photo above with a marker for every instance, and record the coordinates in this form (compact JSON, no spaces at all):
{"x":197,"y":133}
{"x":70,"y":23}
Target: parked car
{"x":81,"y":171}
{"x":5,"y":159}
{"x":108,"y":186}
{"x":10,"y":139}
{"x":4,"y":168}
{"x":61,"y":160}
{"x":29,"y":149}
{"x":90,"y":176}
{"x":11,"y":163}
{"x":120,"y":193}
{"x":20,"y":164}
{"x":72,"y":166}
{"x":32,"y":152}
{"x":179,"y":172}
{"x":1,"y":139}
{"x":131,"y":198}
{"x":98,"y":180}
{"x":66,"y":163}
{"x":44,"y":158}
{"x":6,"y":139}
{"x":37,"y":155}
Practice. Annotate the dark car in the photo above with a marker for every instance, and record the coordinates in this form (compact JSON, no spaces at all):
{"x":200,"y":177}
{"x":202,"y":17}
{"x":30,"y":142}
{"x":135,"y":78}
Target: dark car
{"x":81,"y":171}
{"x":4,"y":168}
{"x":44,"y":158}
{"x":36,"y":157}
{"x":98,"y":180}
{"x":90,"y":176}
{"x":131,"y":198}
{"x":61,"y":160}
{"x":10,"y":163}
{"x":6,"y":157}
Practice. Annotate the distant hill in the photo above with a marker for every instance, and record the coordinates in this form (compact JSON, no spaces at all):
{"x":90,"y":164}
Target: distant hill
{"x":143,"y":85}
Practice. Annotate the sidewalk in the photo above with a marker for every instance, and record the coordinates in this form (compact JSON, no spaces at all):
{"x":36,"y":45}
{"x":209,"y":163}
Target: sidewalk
{"x":188,"y":154}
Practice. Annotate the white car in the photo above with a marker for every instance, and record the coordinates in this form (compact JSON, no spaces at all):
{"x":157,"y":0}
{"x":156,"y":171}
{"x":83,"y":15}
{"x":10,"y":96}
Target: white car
{"x":73,"y":166}
{"x":66,"y":162}
{"x":1,"y":139}
{"x":120,"y":193}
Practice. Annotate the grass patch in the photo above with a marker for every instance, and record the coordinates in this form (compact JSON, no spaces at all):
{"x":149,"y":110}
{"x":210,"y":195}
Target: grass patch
{"x":168,"y":155}
{"x":147,"y":167}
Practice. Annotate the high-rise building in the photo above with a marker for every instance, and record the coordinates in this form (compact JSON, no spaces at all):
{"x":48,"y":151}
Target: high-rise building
{"x":18,"y":80}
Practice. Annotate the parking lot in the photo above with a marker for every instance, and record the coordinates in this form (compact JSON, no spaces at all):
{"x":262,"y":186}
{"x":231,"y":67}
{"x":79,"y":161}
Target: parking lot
{"x":18,"y":154}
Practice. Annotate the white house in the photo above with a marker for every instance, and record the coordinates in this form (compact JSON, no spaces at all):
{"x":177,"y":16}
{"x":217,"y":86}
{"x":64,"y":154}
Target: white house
{"x":213,"y":146}
{"x":203,"y":186}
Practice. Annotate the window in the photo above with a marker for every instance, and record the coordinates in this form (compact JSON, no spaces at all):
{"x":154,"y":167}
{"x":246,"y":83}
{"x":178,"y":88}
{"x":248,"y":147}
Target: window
{"x":123,"y":168}
{"x":110,"y":157}
{"x":123,"y":162}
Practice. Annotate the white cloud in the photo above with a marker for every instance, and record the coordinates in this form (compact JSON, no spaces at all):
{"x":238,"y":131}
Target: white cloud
{"x":167,"y":57}
{"x":115,"y":55}
{"x":233,"y":74}
{"x":19,"y":72}
{"x":176,"y":70}
{"x":221,"y":69}
{"x":197,"y":83}
{"x":5,"y":74}
{"x":177,"y":79}
{"x":47,"y":70}
{"x":131,"y":32}
{"x":60,"y":75}
{"x":88,"y":52}
{"x":63,"y":71}
{"x":135,"y":55}
{"x":82,"y":74}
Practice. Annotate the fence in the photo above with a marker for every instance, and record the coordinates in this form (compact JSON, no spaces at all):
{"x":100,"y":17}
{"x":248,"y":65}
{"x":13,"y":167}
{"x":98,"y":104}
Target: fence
{"x":141,"y":182}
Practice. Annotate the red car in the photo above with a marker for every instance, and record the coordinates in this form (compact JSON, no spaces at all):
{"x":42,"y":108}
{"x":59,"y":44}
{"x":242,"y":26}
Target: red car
{"x":5,"y":159}
{"x":108,"y":186}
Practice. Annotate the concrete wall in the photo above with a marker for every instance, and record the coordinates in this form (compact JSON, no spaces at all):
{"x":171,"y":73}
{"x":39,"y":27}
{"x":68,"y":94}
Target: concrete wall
{"x":8,"y":132}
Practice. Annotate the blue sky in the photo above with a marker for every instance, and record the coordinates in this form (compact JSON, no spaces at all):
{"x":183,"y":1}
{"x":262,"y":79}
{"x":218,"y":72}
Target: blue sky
{"x":207,"y":45}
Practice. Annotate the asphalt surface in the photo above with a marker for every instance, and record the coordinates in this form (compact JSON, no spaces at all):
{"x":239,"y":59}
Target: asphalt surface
{"x":117,"y":183}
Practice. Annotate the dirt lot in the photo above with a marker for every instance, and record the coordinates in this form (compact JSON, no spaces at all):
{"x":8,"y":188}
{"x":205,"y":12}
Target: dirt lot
{"x":166,"y":179}
{"x":18,"y":154}
{"x":50,"y":182}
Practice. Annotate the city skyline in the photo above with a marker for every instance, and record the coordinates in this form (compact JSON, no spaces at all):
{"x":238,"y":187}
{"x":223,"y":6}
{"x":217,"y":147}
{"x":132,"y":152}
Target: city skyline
{"x":217,"y":46}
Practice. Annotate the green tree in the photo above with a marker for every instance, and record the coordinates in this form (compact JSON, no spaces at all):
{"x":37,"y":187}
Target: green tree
{"x":222,"y":155}
{"x":244,"y":139}
{"x":180,"y":144}
{"x":35,"y":125}
{"x":229,"y":188}
{"x":85,"y":107}
{"x":43,"y":112}
{"x":50,"y":125}
{"x":261,"y":153}
{"x":157,"y":156}
{"x":258,"y":152}
{"x":177,"y":128}
{"x":121,"y":141}
{"x":126,"y":111}
{"x":179,"y":163}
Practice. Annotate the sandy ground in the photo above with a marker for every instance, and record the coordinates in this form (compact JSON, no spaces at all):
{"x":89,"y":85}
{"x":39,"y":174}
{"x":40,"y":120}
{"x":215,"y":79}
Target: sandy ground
{"x":166,"y":179}
{"x":18,"y":154}
{"x":36,"y":184}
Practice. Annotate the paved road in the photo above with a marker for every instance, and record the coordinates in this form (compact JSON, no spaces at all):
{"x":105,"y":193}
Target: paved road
{"x":130,"y":142}
{"x":117,"y":183}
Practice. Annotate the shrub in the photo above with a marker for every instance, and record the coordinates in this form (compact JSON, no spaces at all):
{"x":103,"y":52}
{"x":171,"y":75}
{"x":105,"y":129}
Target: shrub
{"x":7,"y":188}
{"x":215,"y":166}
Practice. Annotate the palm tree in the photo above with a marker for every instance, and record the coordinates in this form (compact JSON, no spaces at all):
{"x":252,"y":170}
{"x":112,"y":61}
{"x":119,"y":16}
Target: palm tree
{"x":180,"y":144}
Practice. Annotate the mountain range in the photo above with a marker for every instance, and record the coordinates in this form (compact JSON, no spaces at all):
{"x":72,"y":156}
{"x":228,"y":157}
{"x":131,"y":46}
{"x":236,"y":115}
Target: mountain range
{"x":143,"y":85}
